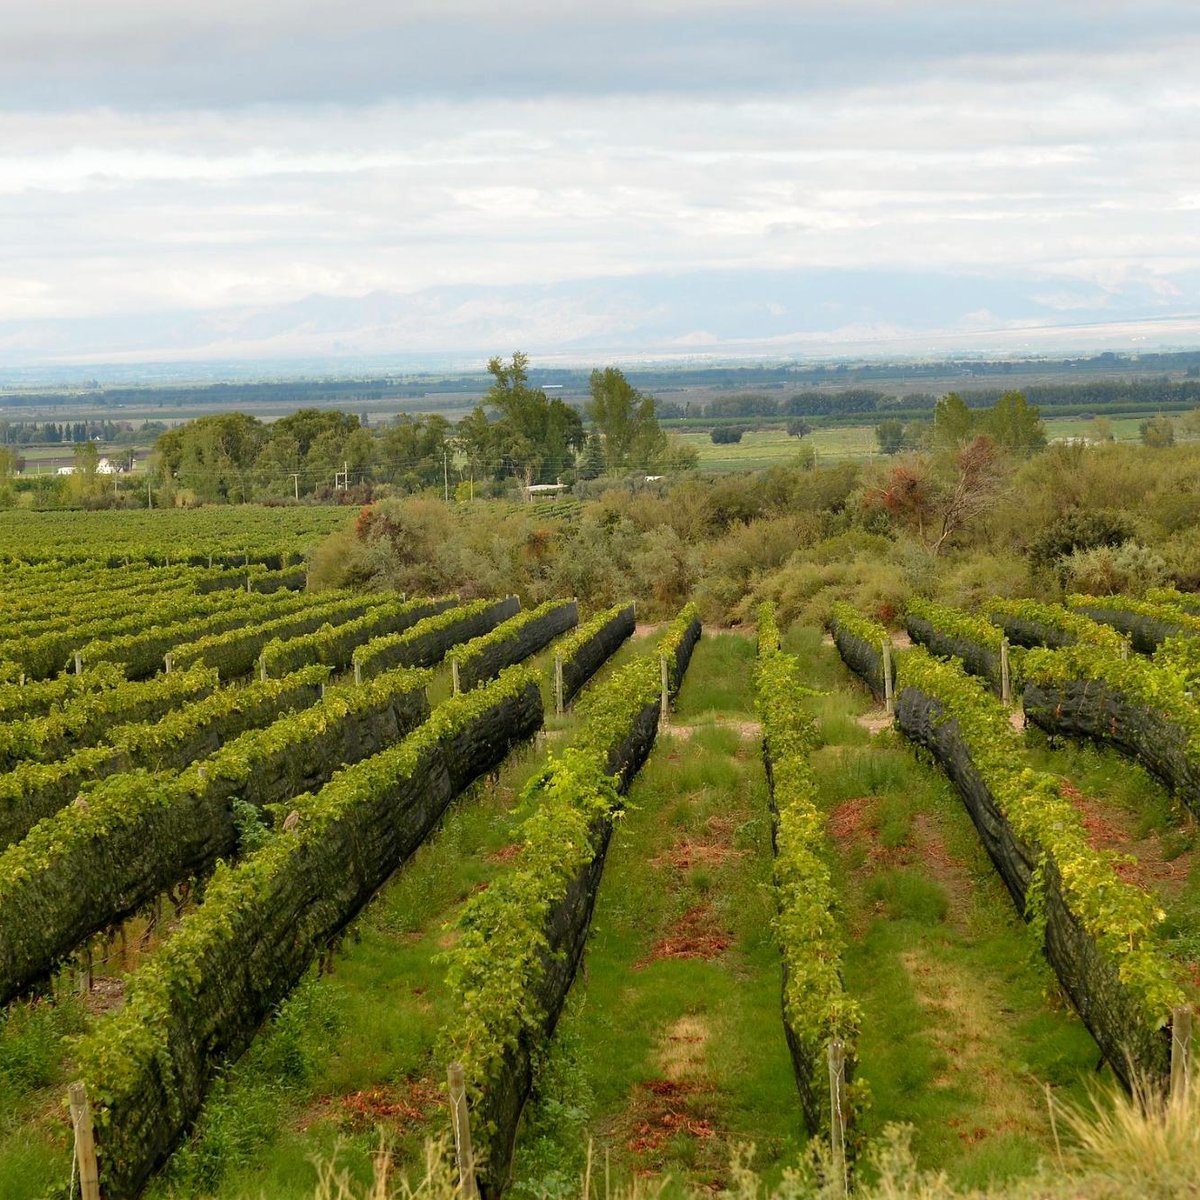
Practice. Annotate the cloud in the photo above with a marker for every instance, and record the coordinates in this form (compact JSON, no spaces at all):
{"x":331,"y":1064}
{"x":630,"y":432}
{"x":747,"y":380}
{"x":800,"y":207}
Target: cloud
{"x":205,"y":159}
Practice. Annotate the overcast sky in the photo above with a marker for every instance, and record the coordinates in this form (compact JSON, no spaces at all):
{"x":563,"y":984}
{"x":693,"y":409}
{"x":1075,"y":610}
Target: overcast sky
{"x":231,"y":180}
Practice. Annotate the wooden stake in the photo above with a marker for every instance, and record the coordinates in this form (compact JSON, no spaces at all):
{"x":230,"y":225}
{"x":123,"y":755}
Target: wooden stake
{"x":837,"y":1116}
{"x":1181,"y":1051}
{"x":665,"y":706}
{"x":358,"y":672}
{"x":558,"y":685}
{"x":168,"y":663}
{"x":454,"y":674}
{"x":85,"y":1143}
{"x":460,"y":1118}
{"x":78,"y":662}
{"x":889,"y":687}
{"x":262,"y":668}
{"x":1005,"y":673}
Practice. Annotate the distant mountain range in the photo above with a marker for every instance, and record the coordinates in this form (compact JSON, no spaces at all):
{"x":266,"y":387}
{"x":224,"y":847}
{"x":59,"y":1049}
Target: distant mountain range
{"x":693,"y":317}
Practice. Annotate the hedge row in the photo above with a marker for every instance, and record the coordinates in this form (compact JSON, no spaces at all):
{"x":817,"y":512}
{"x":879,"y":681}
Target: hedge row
{"x":1098,"y":931}
{"x":33,"y":791}
{"x":951,"y":633}
{"x":234,"y":652}
{"x":334,"y":645}
{"x":522,"y":939}
{"x":89,"y":717}
{"x":1143,"y":708}
{"x":816,"y":1008}
{"x":428,"y":641}
{"x":138,"y":834}
{"x":1189,"y":602}
{"x":199,"y":1002}
{"x":93,"y":629}
{"x":591,"y":645}
{"x":484,"y":657}
{"x":860,"y":643}
{"x":143,"y":652}
{"x":1146,"y":624}
{"x":18,"y":700}
{"x":1031,"y":624}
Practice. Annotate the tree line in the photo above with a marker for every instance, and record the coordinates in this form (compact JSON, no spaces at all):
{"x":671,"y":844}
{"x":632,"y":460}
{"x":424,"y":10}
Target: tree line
{"x":516,"y":433}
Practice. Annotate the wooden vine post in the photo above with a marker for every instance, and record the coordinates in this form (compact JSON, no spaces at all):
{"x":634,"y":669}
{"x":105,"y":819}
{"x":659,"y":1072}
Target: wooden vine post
{"x":168,"y":663}
{"x":664,"y":711}
{"x":1005,"y":673}
{"x":1181,"y":1051}
{"x":558,"y":685}
{"x":837,"y":1117}
{"x":78,"y":662}
{"x":85,"y":1142}
{"x":358,"y":672}
{"x":889,"y":686}
{"x":460,"y":1118}
{"x":454,"y":674}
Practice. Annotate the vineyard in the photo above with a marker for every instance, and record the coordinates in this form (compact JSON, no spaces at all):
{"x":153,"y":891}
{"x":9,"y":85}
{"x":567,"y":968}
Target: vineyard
{"x":284,"y":872}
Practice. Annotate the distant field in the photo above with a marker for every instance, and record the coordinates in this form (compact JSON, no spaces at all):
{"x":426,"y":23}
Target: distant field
{"x":763,"y":448}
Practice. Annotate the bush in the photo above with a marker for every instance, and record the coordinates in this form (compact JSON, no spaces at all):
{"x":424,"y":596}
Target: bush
{"x":1106,"y":571}
{"x":724,"y":435}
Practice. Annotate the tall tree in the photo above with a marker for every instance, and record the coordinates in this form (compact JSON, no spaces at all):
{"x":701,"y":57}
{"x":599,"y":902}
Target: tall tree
{"x":536,"y":437}
{"x":1015,"y":425}
{"x":626,"y":420}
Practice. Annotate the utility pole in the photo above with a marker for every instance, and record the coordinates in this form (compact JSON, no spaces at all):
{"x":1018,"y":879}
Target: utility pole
{"x":296,"y":483}
{"x":446,"y":475}
{"x":149,"y":493}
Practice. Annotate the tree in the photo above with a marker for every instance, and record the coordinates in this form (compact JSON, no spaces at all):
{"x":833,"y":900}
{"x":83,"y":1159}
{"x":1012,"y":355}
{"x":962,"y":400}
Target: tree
{"x":1015,"y":425}
{"x":952,"y":421}
{"x":937,"y":503}
{"x":1158,"y":432}
{"x":798,"y":429}
{"x":626,"y":420}
{"x":727,"y":435}
{"x":890,"y":436}
{"x":537,"y":438}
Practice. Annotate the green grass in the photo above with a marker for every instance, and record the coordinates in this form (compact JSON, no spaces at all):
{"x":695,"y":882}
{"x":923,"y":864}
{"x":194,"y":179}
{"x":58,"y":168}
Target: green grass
{"x":672,"y":1060}
{"x":964,"y":1023}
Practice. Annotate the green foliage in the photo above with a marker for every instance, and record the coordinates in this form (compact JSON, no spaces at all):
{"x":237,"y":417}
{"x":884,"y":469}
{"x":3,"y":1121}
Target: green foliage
{"x":1078,"y":529}
{"x":335,"y":644}
{"x":500,"y":954}
{"x":1154,"y":610}
{"x":810,"y":937}
{"x":406,"y":646}
{"x":1121,"y":918}
{"x":1108,"y":570}
{"x":956,"y":623}
{"x":625,"y":419}
{"x":1015,"y":424}
{"x":89,"y":717}
{"x":890,"y":436}
{"x":1072,"y":625}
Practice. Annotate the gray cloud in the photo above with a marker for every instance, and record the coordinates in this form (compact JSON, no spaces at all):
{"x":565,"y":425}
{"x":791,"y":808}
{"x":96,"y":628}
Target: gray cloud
{"x":245,"y":158}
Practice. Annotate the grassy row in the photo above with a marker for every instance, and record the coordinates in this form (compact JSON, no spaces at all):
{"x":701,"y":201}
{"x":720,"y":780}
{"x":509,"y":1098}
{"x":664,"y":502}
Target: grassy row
{"x":500,"y":956}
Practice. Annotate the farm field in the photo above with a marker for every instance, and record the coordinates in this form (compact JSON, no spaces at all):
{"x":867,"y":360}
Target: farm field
{"x":761,"y":448}
{"x":335,"y":840}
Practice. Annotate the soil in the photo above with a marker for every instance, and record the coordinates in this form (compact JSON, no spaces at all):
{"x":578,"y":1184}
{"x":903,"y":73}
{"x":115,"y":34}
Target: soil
{"x":710,"y":851}
{"x":696,"y":934}
{"x":1108,"y":828}
{"x":397,"y":1108}
{"x":874,"y":720}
